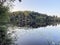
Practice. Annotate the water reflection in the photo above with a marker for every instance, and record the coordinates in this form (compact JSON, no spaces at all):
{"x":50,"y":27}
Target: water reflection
{"x":48,"y":35}
{"x":44,"y":24}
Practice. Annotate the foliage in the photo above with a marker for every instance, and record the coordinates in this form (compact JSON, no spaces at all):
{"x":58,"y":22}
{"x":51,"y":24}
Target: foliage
{"x":32,"y":19}
{"x":3,"y":15}
{"x":4,"y":37}
{"x":4,"y":20}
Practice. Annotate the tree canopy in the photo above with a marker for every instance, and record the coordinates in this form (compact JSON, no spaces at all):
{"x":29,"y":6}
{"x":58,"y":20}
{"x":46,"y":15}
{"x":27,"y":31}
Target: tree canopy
{"x":7,"y":1}
{"x":31,"y":19}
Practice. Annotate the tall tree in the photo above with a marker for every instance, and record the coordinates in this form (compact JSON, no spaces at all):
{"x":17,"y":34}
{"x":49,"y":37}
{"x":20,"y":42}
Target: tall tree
{"x":4,"y":18}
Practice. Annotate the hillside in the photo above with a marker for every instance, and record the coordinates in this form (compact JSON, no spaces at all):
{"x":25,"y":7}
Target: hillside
{"x":32,"y":19}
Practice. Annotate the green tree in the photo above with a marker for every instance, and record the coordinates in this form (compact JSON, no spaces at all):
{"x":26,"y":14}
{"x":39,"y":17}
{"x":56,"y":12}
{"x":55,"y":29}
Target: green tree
{"x":4,"y":19}
{"x":4,"y":40}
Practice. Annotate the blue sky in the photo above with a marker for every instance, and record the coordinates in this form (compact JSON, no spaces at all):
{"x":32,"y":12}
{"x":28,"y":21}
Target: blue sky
{"x":50,"y":7}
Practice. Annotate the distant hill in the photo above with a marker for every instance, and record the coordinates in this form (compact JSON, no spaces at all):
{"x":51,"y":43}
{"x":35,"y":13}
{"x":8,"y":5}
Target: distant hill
{"x":31,"y":19}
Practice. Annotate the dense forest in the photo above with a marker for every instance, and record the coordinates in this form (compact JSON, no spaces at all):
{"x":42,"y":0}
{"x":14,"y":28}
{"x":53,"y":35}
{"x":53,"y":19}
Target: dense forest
{"x":32,"y":19}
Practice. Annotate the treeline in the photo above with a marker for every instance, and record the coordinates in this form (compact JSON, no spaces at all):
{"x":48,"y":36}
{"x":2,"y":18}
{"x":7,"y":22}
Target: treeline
{"x":32,"y":19}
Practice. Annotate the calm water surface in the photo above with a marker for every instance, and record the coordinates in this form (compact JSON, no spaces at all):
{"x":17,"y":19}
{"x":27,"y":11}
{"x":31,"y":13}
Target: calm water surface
{"x":49,"y":35}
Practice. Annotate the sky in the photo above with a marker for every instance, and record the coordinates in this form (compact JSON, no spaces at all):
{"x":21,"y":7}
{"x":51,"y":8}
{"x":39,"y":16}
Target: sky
{"x":50,"y":7}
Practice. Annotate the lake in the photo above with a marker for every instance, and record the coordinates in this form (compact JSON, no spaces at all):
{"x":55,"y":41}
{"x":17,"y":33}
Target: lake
{"x":49,"y":35}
